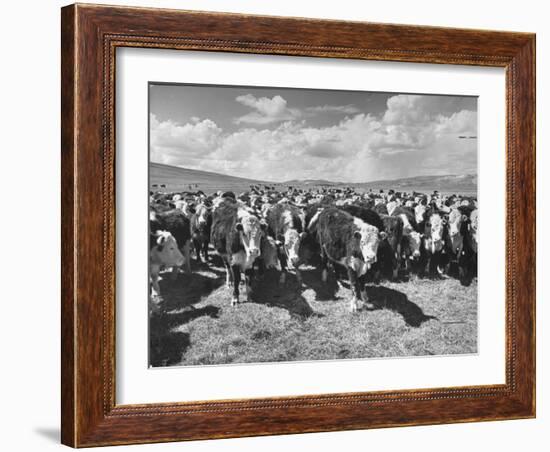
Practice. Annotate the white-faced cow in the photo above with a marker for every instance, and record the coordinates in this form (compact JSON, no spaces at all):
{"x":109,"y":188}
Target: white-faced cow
{"x":163,"y":252}
{"x":350,"y":242}
{"x":177,"y":224}
{"x":434,"y":240}
{"x":236,"y":236}
{"x":286,"y":225}
{"x":411,"y":239}
{"x":201,"y":225}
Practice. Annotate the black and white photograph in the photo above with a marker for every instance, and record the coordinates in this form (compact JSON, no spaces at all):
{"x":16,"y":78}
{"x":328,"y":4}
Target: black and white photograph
{"x":291,"y":224}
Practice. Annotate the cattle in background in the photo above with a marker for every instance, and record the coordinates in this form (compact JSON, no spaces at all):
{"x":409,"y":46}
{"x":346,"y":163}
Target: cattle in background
{"x":175,"y":222}
{"x":163,"y":252}
{"x":350,"y":242}
{"x":236,"y":236}
{"x":380,"y":208}
{"x":367,"y":215}
{"x":286,"y":223}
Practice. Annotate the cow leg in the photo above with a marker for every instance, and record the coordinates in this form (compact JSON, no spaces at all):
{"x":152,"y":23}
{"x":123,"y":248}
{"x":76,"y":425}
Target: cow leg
{"x":353,"y":282}
{"x":299,"y":275}
{"x":236,"y":271}
{"x":324,"y":266}
{"x":395,"y":268}
{"x":155,"y":288}
{"x":248,"y":274}
{"x":228,"y":272}
{"x":187,"y":256}
{"x":197,"y":245}
{"x":282,"y":262}
{"x":205,"y":250}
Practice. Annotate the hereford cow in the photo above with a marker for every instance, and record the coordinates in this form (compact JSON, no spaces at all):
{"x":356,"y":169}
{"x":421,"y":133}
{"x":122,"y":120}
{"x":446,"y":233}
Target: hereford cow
{"x":350,"y":242}
{"x":236,"y":236}
{"x":175,"y":222}
{"x":163,"y":252}
{"x":457,"y":229}
{"x":286,"y":224}
{"x":434,"y":241}
{"x":411,"y":239}
{"x":201,"y":225}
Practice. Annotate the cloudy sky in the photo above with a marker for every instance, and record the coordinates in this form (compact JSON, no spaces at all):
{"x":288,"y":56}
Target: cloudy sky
{"x":279,"y":134}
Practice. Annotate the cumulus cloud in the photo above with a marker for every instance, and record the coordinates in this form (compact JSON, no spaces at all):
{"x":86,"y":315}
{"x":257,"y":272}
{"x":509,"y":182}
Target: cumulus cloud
{"x":169,"y":140}
{"x":411,"y":137}
{"x":265,"y":110}
{"x":345,"y":109}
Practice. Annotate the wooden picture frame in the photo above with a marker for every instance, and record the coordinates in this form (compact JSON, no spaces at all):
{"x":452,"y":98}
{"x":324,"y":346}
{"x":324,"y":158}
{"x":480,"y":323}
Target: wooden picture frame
{"x":90,"y":35}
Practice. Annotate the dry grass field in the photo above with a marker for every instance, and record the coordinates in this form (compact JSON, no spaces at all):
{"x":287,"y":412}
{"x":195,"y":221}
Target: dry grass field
{"x":418,"y":317}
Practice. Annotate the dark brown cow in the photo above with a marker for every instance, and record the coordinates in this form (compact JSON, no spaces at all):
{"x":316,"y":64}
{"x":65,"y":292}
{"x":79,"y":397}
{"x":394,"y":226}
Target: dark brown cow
{"x":350,"y":242}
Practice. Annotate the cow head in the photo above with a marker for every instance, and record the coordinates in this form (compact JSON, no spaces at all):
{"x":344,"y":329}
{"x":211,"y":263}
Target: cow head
{"x":202,"y":213}
{"x":292,"y":240}
{"x":250,"y":231}
{"x":166,"y":251}
{"x":414,"y":242}
{"x":368,"y":238}
{"x":419,"y":212}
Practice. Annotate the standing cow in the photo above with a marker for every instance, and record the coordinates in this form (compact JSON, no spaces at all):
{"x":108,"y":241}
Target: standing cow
{"x":434,"y":240}
{"x":350,"y":242}
{"x":201,"y":225}
{"x":236,"y":236}
{"x":286,"y":225}
{"x":412,"y":239}
{"x":163,"y":252}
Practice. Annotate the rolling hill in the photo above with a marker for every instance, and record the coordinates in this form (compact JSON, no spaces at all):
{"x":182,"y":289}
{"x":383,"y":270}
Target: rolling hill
{"x":180,"y":179}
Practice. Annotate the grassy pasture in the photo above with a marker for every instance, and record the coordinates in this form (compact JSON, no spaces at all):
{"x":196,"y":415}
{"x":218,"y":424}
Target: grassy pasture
{"x":197,"y":325}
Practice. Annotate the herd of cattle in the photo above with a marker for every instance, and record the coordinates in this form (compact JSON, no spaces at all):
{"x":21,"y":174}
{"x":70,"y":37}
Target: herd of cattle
{"x":372,"y":235}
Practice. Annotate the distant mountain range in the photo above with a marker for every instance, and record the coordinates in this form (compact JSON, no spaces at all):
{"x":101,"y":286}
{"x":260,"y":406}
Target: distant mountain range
{"x":179,"y":178}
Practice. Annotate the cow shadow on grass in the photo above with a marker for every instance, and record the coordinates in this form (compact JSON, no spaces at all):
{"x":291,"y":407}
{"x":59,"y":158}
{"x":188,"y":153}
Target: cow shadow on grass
{"x":324,"y":291}
{"x":268,"y":290}
{"x":167,"y":345}
{"x":186,"y":289}
{"x":385,"y":298}
{"x":179,"y":293}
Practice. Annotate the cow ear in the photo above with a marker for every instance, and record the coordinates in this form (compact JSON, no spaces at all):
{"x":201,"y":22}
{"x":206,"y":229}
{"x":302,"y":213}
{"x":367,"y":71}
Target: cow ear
{"x":383,"y":235}
{"x":464,"y":217}
{"x":357,"y":235}
{"x":239,"y":227}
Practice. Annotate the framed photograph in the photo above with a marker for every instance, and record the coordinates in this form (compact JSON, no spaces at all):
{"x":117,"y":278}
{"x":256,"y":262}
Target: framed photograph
{"x":281,"y":225}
